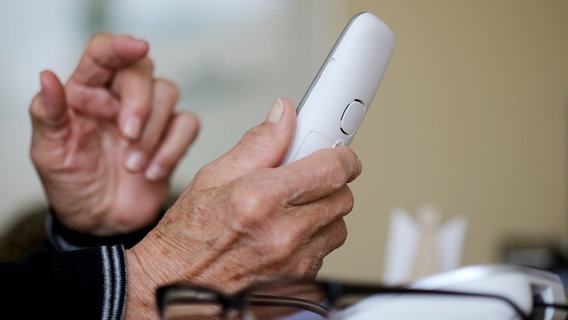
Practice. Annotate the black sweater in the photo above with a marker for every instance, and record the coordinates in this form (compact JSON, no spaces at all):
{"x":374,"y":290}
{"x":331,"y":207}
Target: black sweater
{"x":75,"y":277}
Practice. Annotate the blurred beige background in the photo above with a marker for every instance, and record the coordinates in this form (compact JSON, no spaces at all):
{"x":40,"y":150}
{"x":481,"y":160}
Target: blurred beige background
{"x":471,"y":115}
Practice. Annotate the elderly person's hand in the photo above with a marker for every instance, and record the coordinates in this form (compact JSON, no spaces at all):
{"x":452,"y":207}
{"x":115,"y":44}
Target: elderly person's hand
{"x":106,"y":142}
{"x":244,"y":218}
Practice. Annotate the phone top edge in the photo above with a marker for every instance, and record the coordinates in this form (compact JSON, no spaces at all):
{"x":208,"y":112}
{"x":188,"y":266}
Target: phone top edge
{"x":331,"y":54}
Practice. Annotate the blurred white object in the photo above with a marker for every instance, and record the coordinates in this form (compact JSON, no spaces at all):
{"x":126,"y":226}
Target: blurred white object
{"x":521,"y":285}
{"x":421,"y":246}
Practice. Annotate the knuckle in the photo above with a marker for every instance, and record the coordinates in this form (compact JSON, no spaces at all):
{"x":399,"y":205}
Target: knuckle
{"x":204,"y":173}
{"x":250,"y":207}
{"x":96,"y":40}
{"x":167,"y":89}
{"x":189,"y":121}
{"x":343,"y":160}
{"x":35,"y":105}
{"x":147,"y":64}
{"x":349,"y":199}
{"x":99,"y":36}
{"x":340,"y":234}
{"x":282,"y":245}
{"x":167,"y":85}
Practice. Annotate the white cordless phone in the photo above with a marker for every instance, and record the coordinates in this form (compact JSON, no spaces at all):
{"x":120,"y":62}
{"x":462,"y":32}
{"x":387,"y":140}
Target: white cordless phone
{"x":336,"y":102}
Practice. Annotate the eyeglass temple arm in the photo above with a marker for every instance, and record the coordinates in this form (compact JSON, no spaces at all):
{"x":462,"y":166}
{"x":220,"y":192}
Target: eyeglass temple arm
{"x":280,"y":301}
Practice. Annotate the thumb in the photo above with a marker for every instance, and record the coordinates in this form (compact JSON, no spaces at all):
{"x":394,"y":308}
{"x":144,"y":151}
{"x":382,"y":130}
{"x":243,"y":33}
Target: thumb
{"x":48,"y":113}
{"x":48,"y":109}
{"x":263,"y":146}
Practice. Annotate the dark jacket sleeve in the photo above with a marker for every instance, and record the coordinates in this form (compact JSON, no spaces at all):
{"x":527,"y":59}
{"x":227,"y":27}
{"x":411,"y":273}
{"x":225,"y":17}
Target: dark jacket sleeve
{"x":80,"y":284}
{"x":77,"y":276}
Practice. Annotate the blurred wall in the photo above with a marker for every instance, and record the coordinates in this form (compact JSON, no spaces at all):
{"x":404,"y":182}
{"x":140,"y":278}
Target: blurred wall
{"x":471,"y":116}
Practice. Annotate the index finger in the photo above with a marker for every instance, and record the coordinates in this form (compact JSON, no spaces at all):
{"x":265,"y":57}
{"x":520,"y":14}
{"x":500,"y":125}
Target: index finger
{"x":320,"y":174}
{"x":104,"y":54}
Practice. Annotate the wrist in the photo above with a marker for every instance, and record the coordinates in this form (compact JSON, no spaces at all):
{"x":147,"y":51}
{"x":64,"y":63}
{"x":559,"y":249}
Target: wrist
{"x":140,"y":301}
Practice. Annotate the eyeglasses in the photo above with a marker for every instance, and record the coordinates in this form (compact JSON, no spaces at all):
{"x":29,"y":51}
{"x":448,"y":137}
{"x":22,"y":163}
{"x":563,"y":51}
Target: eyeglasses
{"x":293,"y":299}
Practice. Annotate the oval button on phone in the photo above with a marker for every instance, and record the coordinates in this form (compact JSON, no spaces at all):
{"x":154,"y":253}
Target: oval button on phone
{"x":352,"y":117}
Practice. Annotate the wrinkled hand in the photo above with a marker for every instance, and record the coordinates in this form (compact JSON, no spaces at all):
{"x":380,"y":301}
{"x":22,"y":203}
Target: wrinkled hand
{"x":106,"y":142}
{"x":244,"y":218}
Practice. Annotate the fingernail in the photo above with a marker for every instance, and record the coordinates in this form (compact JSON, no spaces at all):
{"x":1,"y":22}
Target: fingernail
{"x":156,"y":172}
{"x":135,"y":161}
{"x":276,"y":111}
{"x":132,"y":127}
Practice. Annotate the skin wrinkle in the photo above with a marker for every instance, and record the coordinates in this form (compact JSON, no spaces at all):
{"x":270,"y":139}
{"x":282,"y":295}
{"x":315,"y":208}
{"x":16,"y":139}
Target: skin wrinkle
{"x":235,"y":261}
{"x":332,"y":180}
{"x":229,"y":246}
{"x":50,"y":116}
{"x":151,"y":268}
{"x":35,"y":111}
{"x":142,"y":66}
{"x":324,"y":180}
{"x":218,"y":244}
{"x":99,"y":73}
{"x":245,"y":228}
{"x":104,"y":63}
{"x":139,"y":268}
{"x":77,"y":212}
{"x":59,"y":136}
{"x":255,"y":206}
{"x":75,"y":147}
{"x":282,"y":246}
{"x":252,"y":159}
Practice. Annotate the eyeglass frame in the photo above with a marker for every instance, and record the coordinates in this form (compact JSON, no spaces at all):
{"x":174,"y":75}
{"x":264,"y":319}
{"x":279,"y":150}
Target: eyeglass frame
{"x":334,"y":290}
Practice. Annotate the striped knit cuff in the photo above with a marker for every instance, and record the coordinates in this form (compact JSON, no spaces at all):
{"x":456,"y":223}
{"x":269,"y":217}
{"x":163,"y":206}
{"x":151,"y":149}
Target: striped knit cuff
{"x":115,"y":282}
{"x":92,"y":283}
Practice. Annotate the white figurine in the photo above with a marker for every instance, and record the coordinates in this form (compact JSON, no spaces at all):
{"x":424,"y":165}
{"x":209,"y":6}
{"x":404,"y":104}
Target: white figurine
{"x":422,"y":246}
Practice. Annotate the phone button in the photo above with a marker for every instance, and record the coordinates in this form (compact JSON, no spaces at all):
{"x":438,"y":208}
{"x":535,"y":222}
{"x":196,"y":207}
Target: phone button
{"x":352,"y":117}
